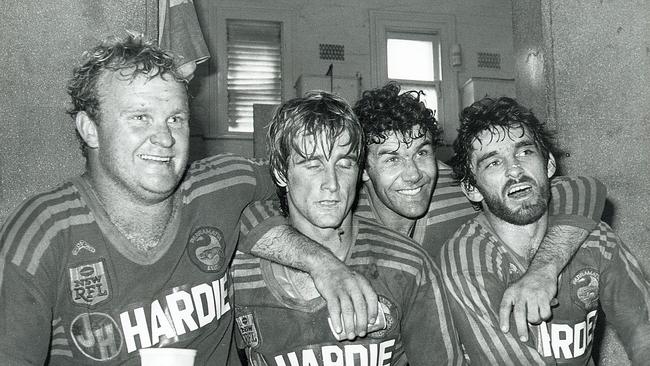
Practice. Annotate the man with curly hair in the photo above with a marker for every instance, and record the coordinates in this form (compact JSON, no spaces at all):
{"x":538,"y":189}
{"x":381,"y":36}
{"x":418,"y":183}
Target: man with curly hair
{"x":408,"y":190}
{"x":135,"y":252}
{"x":316,"y":150}
{"x":504,"y":161}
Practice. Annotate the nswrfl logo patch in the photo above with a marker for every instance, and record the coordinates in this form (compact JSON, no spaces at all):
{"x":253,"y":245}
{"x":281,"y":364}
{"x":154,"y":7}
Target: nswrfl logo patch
{"x":247,"y":328}
{"x":206,"y":248}
{"x":89,"y":284}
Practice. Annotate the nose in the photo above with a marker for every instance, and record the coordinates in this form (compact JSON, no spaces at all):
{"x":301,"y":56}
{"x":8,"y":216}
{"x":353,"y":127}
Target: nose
{"x":162,"y":136}
{"x":330,"y":180}
{"x":515,"y":171}
{"x":411,"y":171}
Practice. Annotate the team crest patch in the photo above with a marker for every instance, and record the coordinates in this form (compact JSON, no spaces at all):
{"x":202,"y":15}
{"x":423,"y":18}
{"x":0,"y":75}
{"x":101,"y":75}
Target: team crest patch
{"x":248,"y":329}
{"x":206,"y":249}
{"x":97,"y":336}
{"x":89,"y":284}
{"x":585,"y":284}
{"x":391,"y":315}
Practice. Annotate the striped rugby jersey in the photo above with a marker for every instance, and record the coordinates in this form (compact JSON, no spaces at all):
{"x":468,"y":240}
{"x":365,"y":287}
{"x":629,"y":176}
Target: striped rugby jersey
{"x":477,"y":268}
{"x":74,"y":290}
{"x":576,"y":201}
{"x":279,"y":328}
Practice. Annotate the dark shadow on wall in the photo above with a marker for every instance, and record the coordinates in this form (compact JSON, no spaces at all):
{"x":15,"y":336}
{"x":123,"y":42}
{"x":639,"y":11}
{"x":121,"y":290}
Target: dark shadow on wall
{"x":198,"y":114}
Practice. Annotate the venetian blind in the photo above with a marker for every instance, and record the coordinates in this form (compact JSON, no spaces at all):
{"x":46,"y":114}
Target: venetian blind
{"x":254,"y":69}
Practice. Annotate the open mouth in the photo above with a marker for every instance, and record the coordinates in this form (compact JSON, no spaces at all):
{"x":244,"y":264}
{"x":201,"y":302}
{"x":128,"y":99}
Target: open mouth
{"x":410,"y":192}
{"x":519,"y":190}
{"x":155,"y":158}
{"x":328,"y":203}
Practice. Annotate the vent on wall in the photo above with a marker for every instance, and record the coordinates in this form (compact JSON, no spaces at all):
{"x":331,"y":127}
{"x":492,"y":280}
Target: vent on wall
{"x":487,"y":60}
{"x":332,"y":52}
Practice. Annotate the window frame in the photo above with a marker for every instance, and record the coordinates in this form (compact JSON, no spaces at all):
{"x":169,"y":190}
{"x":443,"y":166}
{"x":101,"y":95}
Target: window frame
{"x":286,"y":19}
{"x":442,"y":26}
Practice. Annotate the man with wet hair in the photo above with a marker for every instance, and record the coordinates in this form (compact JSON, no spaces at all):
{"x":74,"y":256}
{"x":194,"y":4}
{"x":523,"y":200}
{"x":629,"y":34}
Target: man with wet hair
{"x":407,"y":189}
{"x":504,"y":161}
{"x":316,"y":153}
{"x":134,"y":253}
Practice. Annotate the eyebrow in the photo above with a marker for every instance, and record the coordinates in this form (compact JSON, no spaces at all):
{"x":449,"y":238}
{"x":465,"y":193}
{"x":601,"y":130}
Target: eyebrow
{"x":483,"y":158}
{"x":426,"y":141}
{"x":518,"y":144}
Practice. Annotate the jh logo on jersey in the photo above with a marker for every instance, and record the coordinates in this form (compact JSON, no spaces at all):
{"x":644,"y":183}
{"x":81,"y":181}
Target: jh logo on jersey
{"x":89,"y":284}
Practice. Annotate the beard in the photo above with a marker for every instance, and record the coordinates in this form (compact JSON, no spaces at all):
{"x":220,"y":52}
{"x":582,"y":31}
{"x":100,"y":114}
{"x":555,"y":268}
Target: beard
{"x":527,"y":212}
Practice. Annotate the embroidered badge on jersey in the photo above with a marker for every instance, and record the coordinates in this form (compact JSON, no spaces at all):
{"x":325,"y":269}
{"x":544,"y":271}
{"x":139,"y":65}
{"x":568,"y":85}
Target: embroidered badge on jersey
{"x":82,"y":245}
{"x":392,"y":318}
{"x":206,"y":249}
{"x":585,"y":288}
{"x":89,"y":284}
{"x":248,"y":329}
{"x":97,"y":336}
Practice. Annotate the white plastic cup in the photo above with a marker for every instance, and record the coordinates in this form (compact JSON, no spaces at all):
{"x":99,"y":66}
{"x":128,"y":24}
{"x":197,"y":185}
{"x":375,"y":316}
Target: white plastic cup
{"x":167,"y":357}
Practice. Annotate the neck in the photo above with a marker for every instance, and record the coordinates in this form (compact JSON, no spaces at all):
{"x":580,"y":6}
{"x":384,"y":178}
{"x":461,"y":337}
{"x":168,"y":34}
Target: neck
{"x":142,"y":223}
{"x":337,"y":240}
{"x":522,"y":239}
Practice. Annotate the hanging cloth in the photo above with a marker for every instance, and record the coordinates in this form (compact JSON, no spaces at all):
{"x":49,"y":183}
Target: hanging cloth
{"x":179,"y":32}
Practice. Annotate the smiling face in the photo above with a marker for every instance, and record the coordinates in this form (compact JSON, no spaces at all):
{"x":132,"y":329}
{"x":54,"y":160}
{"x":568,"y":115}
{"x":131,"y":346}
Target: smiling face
{"x":512,"y":175}
{"x":400,"y":178}
{"x":139,"y":148}
{"x":321,"y":191}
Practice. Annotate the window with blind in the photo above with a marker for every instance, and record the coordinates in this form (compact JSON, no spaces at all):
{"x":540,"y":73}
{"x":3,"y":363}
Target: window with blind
{"x":254,"y":76}
{"x":412,"y":49}
{"x":413,"y":61}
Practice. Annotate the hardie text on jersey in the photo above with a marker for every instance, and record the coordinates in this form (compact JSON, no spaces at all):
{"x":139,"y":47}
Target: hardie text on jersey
{"x":373,"y":354}
{"x":566,"y":341}
{"x":180,"y":312}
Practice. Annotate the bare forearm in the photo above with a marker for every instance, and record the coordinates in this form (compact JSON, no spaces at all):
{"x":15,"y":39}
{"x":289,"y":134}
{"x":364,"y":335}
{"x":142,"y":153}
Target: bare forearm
{"x":558,"y":247}
{"x":351,"y":300}
{"x":530,"y":298}
{"x":285,"y":245}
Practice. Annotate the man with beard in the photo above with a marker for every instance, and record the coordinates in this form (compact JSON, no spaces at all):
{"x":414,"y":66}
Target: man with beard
{"x":407,"y":189}
{"x":504,"y":161}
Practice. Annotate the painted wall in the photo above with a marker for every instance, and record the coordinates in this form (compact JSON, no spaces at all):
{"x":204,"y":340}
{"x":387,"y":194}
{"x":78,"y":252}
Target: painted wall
{"x":41,"y":40}
{"x":481,"y":26}
{"x":594,"y":90}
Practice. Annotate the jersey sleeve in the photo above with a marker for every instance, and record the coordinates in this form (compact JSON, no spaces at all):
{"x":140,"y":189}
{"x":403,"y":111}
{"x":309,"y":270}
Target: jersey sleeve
{"x":266,"y":188}
{"x":25,"y":311}
{"x":577,"y":201}
{"x":428,"y":329}
{"x":625,"y":295}
{"x":474,"y":284}
{"x":256,"y":220}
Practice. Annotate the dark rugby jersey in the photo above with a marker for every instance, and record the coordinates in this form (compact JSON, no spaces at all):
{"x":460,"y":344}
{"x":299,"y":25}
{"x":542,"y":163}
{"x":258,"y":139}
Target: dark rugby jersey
{"x":72,"y":284}
{"x":278,"y":328}
{"x":477,"y":268}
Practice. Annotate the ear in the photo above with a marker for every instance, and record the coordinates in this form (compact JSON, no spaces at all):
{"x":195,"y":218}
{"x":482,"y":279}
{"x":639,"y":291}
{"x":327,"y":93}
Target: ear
{"x":281,"y":181}
{"x":550,"y":165}
{"x":87,"y":128}
{"x":471,"y":192}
